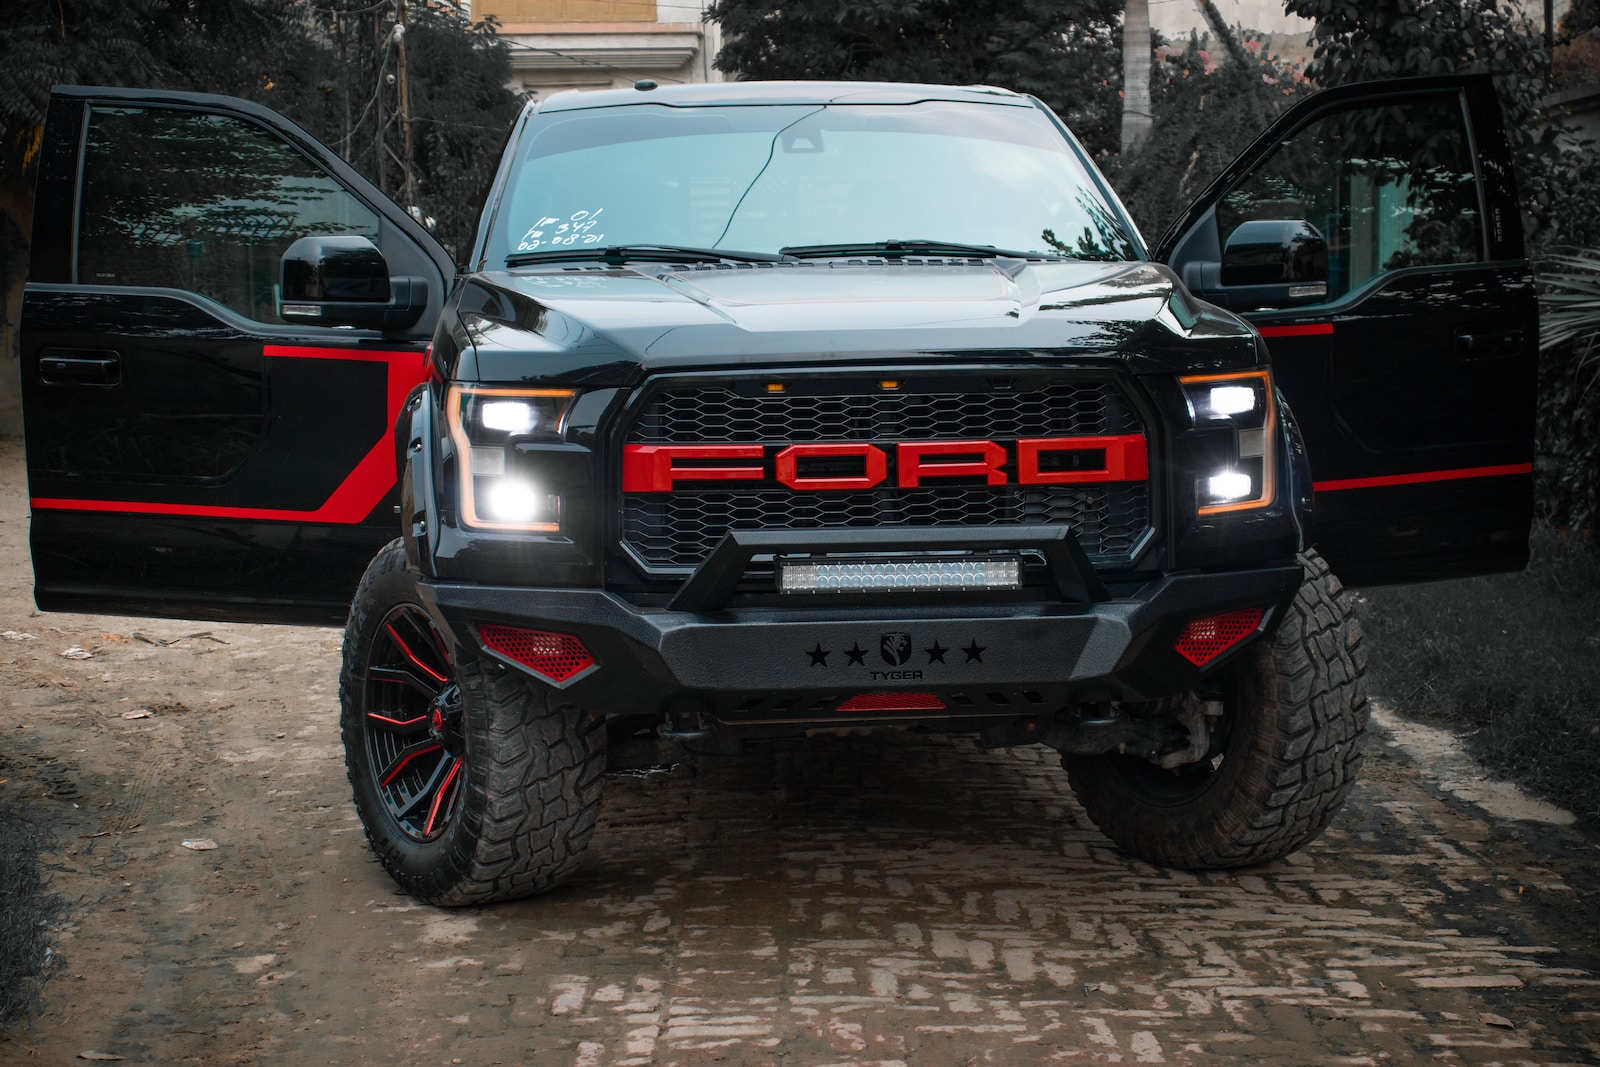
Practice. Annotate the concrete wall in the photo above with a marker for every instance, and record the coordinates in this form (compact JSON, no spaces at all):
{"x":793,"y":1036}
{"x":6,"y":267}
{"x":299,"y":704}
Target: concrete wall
{"x":603,"y":44}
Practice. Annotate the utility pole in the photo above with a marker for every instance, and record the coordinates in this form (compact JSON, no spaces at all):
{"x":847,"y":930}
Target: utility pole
{"x":410,"y":187}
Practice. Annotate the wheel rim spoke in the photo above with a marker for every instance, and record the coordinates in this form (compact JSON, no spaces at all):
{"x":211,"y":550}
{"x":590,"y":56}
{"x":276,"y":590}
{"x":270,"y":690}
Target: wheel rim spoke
{"x":416,"y":660}
{"x":404,"y":676}
{"x":444,"y":797}
{"x":428,"y":797}
{"x":388,"y":723}
{"x":413,"y":754}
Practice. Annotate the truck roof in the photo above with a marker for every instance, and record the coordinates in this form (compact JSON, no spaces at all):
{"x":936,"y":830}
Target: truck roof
{"x":744,"y":93}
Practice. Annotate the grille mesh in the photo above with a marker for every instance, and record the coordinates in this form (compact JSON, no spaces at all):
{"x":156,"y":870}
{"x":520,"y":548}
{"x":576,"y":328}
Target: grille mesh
{"x":680,"y":529}
{"x":714,"y":415}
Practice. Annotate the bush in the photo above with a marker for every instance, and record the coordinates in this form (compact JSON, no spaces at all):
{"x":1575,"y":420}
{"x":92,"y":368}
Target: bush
{"x":1206,"y":113}
{"x":1568,"y":471}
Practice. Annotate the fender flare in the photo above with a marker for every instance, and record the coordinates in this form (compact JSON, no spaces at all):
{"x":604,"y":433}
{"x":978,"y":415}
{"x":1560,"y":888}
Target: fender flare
{"x":415,"y":458}
{"x":1296,"y":473}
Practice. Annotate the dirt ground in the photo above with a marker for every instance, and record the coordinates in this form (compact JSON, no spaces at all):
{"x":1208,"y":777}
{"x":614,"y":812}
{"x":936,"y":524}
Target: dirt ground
{"x":884,"y":900}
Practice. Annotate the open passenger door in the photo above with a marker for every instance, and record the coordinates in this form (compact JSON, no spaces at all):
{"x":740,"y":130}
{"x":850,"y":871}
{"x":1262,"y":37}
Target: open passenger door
{"x":1372,"y":235}
{"x":201,"y":444}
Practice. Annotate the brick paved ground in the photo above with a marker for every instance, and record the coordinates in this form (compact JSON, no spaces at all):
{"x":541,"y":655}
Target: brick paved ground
{"x":883,"y":900}
{"x":847,"y":901}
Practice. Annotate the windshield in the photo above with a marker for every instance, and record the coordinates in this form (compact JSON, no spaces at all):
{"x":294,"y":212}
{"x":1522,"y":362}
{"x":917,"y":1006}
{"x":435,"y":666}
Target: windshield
{"x":762,"y":178}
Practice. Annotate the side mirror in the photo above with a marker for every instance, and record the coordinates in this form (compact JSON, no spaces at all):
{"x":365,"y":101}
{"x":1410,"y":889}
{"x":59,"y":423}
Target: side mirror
{"x":344,"y":281}
{"x":1277,"y":252}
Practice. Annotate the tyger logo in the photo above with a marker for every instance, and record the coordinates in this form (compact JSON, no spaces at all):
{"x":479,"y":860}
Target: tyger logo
{"x":896,"y":649}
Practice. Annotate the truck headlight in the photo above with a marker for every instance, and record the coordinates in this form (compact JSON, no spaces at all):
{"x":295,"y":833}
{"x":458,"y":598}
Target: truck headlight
{"x":1244,"y":404}
{"x":499,"y":488}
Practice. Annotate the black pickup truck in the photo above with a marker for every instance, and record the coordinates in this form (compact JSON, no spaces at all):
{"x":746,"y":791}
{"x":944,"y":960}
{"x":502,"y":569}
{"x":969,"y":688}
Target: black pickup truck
{"x":762,"y":410}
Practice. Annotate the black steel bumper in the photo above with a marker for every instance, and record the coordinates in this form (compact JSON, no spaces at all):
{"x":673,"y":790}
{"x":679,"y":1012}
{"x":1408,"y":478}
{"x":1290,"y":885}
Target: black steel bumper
{"x":796,"y":665}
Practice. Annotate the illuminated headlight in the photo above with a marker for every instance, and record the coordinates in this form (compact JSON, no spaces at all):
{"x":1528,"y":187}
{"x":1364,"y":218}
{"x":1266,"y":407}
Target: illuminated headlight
{"x":509,"y":416}
{"x":487,"y":426}
{"x":512,"y":500}
{"x":1225,"y":400}
{"x":1230,"y":485}
{"x":1244,"y":402}
{"x":898,"y":576}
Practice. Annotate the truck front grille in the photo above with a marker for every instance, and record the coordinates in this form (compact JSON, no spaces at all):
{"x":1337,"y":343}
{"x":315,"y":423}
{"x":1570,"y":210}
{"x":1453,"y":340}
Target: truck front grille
{"x":677,"y":530}
{"x":720,"y":415}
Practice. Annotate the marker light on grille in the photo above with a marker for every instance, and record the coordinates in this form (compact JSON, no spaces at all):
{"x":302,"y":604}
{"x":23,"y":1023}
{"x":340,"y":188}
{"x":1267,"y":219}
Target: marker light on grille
{"x":557,"y":657}
{"x":899,"y":576}
{"x":1203,"y":640}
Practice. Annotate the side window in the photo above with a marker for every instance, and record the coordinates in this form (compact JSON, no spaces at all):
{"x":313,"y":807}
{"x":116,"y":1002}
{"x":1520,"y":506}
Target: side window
{"x":1388,"y":186}
{"x":201,"y":202}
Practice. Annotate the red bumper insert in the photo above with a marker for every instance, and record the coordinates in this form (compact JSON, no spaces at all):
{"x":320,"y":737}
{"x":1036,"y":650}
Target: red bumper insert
{"x":1203,"y":640}
{"x":892,"y":702}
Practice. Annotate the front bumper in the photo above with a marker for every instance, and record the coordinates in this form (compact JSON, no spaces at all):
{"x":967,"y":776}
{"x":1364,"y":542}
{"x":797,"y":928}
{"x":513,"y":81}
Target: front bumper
{"x":772,"y":665}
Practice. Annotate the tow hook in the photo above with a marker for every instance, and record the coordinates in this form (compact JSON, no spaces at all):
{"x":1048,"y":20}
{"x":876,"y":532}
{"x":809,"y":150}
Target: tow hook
{"x":686,"y":723}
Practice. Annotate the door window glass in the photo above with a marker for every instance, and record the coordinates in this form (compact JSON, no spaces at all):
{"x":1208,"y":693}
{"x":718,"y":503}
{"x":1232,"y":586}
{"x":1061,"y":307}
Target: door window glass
{"x":201,"y":202}
{"x":1388,"y":186}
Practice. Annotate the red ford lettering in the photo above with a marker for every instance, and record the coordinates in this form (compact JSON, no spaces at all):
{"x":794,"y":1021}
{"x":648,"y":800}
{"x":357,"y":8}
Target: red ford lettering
{"x":653,"y":468}
{"x":1125,"y":460}
{"x":862,"y":465}
{"x":919,"y":460}
{"x":874,"y":466}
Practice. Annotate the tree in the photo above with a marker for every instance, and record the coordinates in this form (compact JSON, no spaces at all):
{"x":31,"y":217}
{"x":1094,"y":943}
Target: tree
{"x":1063,"y":52}
{"x":1413,"y":38}
{"x":1136,"y":116}
{"x":1205,"y":114}
{"x":323,"y":66}
{"x":460,"y":108}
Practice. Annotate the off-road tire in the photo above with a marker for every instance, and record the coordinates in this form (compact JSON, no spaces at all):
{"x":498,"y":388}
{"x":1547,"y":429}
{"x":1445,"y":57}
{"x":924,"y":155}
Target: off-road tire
{"x":1290,"y":748}
{"x":531,"y":766}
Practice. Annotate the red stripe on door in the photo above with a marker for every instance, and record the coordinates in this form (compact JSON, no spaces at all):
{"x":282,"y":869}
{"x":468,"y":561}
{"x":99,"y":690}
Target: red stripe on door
{"x":1310,"y":329}
{"x":1419,"y":477}
{"x":354,"y":498}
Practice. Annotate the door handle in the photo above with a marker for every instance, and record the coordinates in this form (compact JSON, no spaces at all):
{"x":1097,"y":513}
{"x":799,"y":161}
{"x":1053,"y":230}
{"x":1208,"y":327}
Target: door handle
{"x":1487,"y":344}
{"x":59,"y":366}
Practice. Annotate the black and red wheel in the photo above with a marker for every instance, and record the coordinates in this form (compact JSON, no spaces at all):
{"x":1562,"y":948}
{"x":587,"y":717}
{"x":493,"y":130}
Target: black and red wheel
{"x":472,"y":783}
{"x":1283,"y":756}
{"x":413,"y":742}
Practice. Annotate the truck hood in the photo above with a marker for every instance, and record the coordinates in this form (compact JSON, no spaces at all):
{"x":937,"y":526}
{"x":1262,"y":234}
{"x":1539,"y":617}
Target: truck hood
{"x":612,"y":326}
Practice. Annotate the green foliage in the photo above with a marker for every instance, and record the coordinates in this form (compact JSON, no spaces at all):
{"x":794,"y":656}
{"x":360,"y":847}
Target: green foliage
{"x":1568,"y":474}
{"x":1205,"y":114}
{"x":1067,"y":54}
{"x":460,"y":107}
{"x":1412,"y":38}
{"x":1582,"y":17}
{"x":183,"y":44}
{"x":325,"y":67}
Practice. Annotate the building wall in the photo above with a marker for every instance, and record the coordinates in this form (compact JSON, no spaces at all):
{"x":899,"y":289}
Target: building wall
{"x":604,"y":44}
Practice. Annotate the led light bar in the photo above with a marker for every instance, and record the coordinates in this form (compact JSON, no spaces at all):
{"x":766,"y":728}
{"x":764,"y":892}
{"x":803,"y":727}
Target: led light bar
{"x":898,"y":576}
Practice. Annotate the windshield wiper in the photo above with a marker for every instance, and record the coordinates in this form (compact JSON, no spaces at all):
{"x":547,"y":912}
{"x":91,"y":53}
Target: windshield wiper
{"x":641,"y":253}
{"x":910,"y":248}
